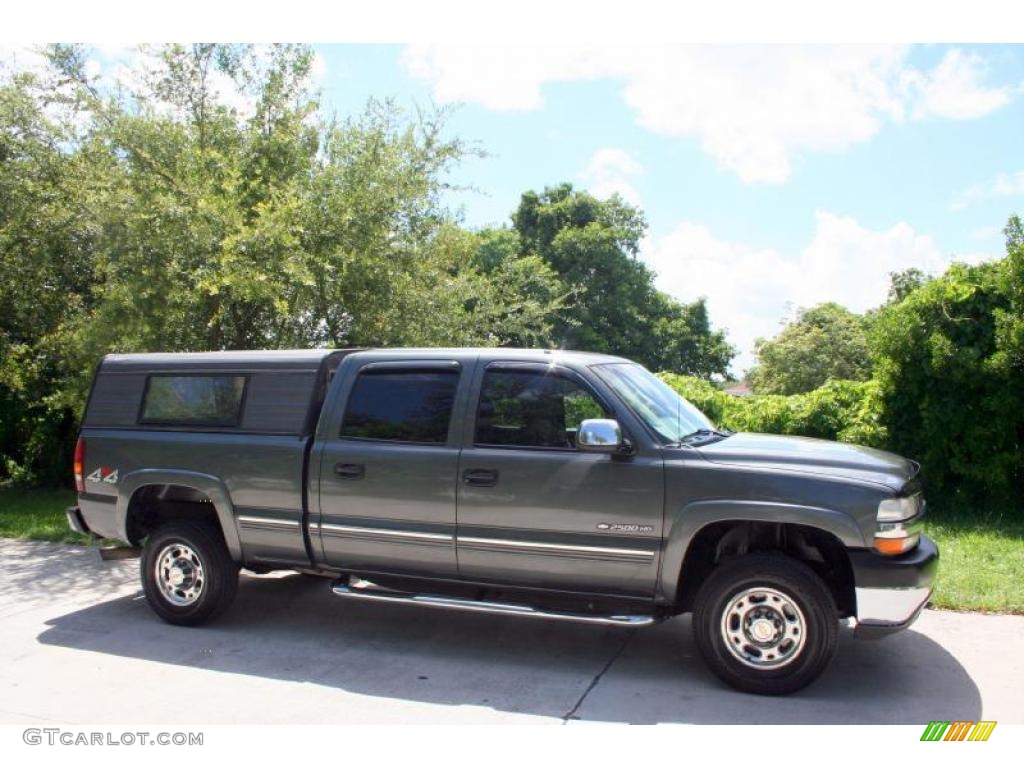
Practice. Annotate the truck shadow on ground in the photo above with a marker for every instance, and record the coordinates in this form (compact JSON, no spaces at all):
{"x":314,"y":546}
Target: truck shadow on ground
{"x":291,"y":628}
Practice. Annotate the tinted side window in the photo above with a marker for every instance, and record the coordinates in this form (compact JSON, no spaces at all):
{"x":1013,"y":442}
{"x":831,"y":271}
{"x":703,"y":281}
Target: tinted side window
{"x":410,"y":406}
{"x":532,"y":409}
{"x":194,"y":400}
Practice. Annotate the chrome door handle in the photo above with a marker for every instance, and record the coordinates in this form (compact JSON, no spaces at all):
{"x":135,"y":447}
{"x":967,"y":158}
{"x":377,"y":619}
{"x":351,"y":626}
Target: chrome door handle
{"x":480,"y":478}
{"x":350,"y":471}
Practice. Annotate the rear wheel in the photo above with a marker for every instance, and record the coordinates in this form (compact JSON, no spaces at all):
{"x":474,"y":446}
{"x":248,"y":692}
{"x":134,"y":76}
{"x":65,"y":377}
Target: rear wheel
{"x":188,"y":575}
{"x":765,"y":623}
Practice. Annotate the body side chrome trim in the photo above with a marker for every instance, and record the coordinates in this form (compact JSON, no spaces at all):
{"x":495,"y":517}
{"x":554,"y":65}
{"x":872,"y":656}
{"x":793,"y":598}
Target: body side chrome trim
{"x":539,"y":547}
{"x":390,"y":534}
{"x":247,"y":521}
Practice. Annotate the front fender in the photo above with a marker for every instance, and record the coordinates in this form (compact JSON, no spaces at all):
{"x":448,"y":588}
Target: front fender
{"x":696,"y":515}
{"x":208,"y":485}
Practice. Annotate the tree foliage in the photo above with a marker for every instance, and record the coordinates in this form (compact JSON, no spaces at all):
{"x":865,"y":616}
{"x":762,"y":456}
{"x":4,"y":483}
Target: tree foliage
{"x":902,"y":284}
{"x":47,"y":241}
{"x":951,"y":370}
{"x":823,"y":343}
{"x":593,"y":246}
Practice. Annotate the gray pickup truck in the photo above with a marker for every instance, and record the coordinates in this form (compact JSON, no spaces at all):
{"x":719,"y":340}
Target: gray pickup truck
{"x":533,"y":483}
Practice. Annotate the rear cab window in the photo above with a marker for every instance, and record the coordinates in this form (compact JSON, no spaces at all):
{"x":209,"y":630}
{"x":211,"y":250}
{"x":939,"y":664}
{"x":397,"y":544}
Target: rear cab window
{"x":407,"y":405}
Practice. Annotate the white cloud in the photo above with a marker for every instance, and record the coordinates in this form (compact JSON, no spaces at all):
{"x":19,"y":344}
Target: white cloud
{"x":953,"y":89}
{"x":984,"y":233}
{"x":751,"y":291}
{"x":609,"y":171}
{"x":22,"y":58}
{"x":318,"y":69}
{"x":502,"y":78}
{"x":751,"y":107}
{"x":1003,"y":185}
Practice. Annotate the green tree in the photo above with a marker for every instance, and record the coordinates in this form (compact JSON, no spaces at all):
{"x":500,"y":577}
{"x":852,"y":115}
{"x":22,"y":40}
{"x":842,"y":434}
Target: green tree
{"x":950,"y":367}
{"x":824,"y":342}
{"x":1010,"y":321}
{"x":47,"y":237}
{"x":276,"y":228}
{"x":902,"y":284}
{"x":593,"y":247}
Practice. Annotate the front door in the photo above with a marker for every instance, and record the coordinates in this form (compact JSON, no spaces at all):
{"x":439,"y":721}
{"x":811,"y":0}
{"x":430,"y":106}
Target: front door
{"x":388,"y":477}
{"x":533,"y":510}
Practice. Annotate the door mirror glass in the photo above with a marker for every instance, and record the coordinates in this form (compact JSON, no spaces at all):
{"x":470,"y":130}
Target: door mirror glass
{"x":599,"y":436}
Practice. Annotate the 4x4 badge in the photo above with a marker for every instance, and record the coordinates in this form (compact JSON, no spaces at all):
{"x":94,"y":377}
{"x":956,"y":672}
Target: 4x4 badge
{"x":103,"y":475}
{"x":625,"y":528}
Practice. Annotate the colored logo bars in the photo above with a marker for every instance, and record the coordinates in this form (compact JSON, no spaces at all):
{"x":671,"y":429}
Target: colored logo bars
{"x":958,"y":730}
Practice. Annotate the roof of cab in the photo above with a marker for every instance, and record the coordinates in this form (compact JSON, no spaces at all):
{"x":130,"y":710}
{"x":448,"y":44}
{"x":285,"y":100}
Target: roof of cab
{"x":502,"y":353}
{"x":312,"y":358}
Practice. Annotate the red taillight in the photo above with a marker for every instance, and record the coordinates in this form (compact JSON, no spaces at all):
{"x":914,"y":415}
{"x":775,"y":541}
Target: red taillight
{"x":80,"y":465}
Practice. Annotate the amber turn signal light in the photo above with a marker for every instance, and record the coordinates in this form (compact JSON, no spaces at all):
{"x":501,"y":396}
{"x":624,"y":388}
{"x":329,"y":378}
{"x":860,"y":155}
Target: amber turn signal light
{"x":889,"y":546}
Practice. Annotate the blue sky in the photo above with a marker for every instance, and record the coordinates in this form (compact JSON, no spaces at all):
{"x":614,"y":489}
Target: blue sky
{"x":771,"y":177}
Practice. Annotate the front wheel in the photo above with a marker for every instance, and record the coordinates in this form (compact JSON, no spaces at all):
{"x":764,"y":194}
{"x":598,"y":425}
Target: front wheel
{"x":765,"y":623}
{"x":188,"y":575}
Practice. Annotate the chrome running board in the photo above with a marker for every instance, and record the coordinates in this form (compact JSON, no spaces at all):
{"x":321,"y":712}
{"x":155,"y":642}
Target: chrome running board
{"x":360,"y":589}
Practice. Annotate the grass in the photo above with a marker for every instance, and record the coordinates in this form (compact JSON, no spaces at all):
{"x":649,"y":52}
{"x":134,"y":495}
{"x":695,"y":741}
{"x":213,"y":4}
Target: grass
{"x":982,"y":565}
{"x":37,"y":514}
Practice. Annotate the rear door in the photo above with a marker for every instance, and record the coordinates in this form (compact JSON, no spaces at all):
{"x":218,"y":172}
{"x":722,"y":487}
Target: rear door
{"x":535,"y":511}
{"x":388,"y":472}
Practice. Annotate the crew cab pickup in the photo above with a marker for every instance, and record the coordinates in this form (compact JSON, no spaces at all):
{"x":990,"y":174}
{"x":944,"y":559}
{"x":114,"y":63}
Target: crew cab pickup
{"x":529,"y":483}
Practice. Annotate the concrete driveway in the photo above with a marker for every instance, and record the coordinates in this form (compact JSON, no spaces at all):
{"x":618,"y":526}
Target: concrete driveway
{"x":79,"y":645}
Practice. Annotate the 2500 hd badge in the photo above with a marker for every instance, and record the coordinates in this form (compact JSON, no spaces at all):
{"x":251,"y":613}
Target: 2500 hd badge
{"x":625,"y":527}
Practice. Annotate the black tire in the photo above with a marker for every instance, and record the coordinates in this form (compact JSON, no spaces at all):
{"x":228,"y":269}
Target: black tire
{"x":200,"y":544}
{"x":816,"y":619}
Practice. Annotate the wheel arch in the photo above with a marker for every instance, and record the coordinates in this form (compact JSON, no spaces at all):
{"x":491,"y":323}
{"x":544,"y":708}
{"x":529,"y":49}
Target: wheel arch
{"x":705,"y":523}
{"x":206,"y":488}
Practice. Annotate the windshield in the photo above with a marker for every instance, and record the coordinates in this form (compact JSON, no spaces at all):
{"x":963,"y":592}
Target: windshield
{"x":661,"y":408}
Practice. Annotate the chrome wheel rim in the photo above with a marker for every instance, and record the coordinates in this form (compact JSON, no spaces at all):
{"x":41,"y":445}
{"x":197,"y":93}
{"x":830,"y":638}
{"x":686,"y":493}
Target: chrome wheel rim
{"x":179,"y":574}
{"x":763,"y":628}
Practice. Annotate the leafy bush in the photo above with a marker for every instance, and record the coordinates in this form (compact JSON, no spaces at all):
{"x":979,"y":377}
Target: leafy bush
{"x":839,"y":410}
{"x":951,"y":373}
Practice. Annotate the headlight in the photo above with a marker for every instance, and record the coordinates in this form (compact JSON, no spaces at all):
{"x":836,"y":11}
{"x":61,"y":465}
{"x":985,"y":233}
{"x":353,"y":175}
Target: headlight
{"x":903,"y":508}
{"x":898,"y":529}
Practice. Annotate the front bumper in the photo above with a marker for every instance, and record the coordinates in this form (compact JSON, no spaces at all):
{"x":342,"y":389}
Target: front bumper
{"x":892,"y":591}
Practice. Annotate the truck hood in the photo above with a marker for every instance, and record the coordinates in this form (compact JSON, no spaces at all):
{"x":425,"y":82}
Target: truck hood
{"x":812,"y":456}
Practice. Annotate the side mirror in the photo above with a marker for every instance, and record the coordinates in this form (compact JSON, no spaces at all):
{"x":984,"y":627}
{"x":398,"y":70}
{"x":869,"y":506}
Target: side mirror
{"x":600,"y":436}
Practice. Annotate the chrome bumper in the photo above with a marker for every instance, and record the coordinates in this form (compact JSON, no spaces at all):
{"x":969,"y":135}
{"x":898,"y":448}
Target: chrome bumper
{"x":883,"y":611}
{"x":76,"y":522}
{"x":891,"y":592}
